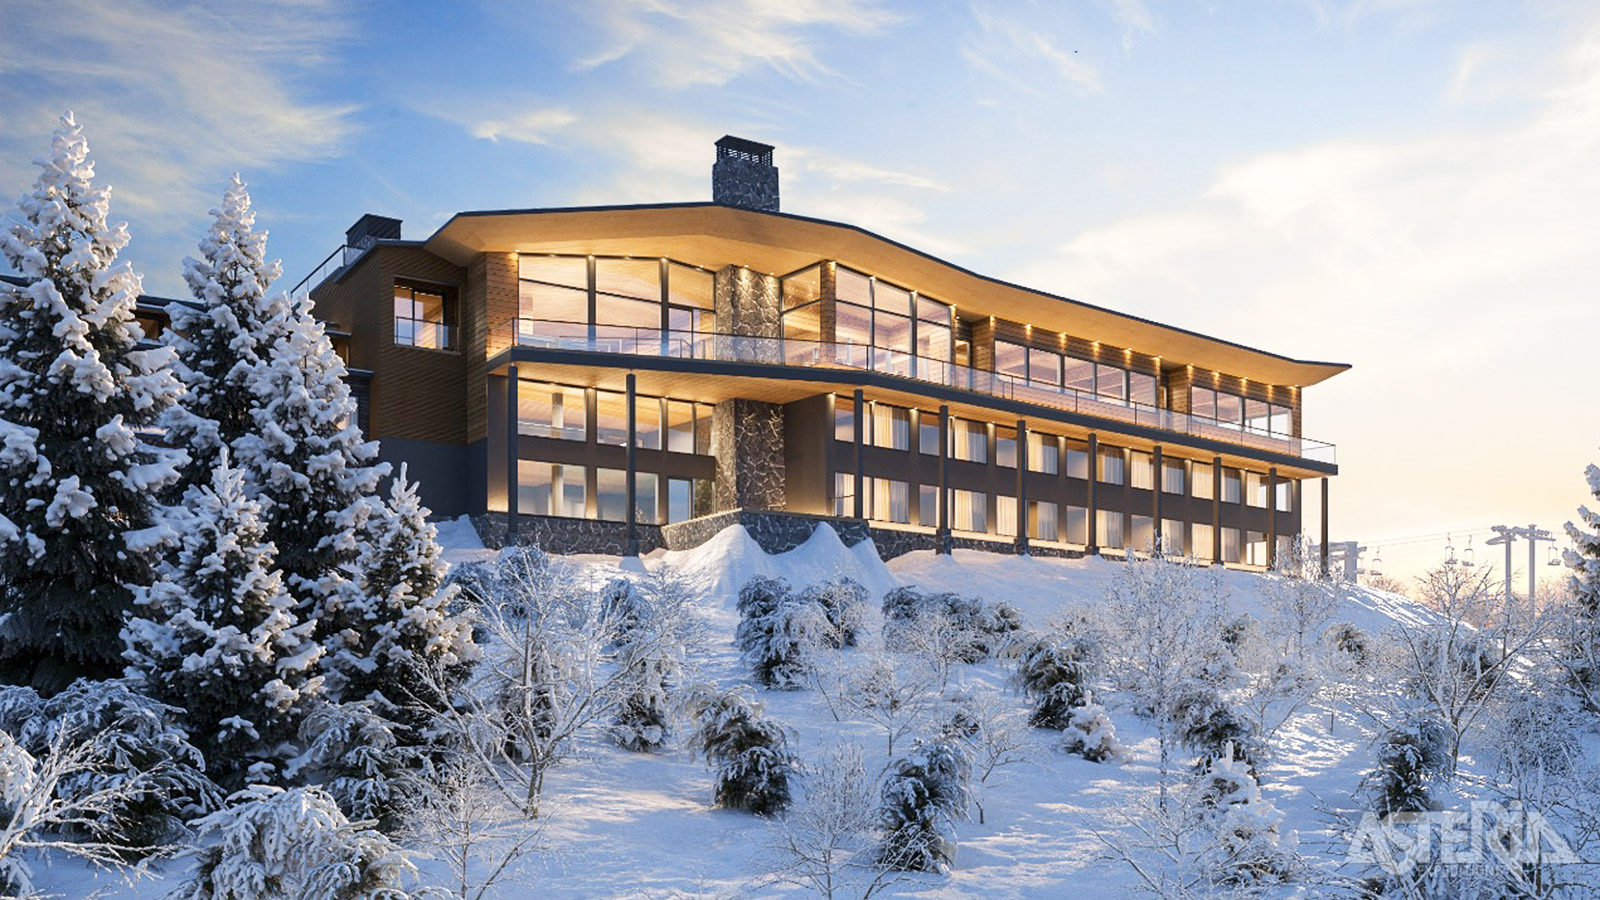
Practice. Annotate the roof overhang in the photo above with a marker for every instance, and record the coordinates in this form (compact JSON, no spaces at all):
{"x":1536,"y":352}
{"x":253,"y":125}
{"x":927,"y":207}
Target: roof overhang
{"x":713,"y":236}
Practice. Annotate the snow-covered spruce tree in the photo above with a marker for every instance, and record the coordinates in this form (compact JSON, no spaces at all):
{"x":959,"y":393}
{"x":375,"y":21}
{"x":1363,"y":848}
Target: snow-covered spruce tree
{"x":353,"y":753}
{"x":272,"y":843}
{"x":305,"y":453}
{"x":1055,"y":674}
{"x":151,"y":778}
{"x":1247,"y":847}
{"x":751,"y":752}
{"x":77,"y":518}
{"x":1412,"y":759}
{"x":1583,"y":656}
{"x":923,"y":795}
{"x":217,"y":636}
{"x":398,"y":620}
{"x":1206,"y":722}
{"x":222,"y":337}
{"x":1089,"y":732}
{"x":779,"y":632}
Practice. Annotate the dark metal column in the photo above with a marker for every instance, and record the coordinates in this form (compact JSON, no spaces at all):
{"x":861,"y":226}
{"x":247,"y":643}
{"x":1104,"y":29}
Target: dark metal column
{"x":1155,"y":500}
{"x":1094,"y":476}
{"x":1323,"y":549}
{"x":1022,"y":486}
{"x":511,"y":455}
{"x":942,"y":533}
{"x":1272,"y":516}
{"x":1216,"y":510}
{"x":861,"y":431}
{"x":633,"y":467}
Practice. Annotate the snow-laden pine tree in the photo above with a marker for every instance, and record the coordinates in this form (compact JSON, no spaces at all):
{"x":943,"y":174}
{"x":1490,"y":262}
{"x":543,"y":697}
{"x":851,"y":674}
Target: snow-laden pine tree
{"x":217,"y":636}
{"x":222,"y":337}
{"x":394,"y":619}
{"x":1584,"y":561}
{"x":306,"y":455}
{"x":76,"y":476}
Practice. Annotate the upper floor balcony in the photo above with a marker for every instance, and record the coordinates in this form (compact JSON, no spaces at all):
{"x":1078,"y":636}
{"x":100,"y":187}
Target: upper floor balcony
{"x":633,"y":341}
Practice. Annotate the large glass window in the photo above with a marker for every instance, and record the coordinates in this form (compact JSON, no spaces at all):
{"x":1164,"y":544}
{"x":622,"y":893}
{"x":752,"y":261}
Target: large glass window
{"x":1044,"y":453}
{"x":611,"y":494}
{"x":889,"y":500}
{"x":1141,"y":533}
{"x":1110,"y":382}
{"x":550,"y":489}
{"x":844,"y":419}
{"x":1285,"y":498}
{"x":969,"y":440}
{"x":1044,"y":368}
{"x":928,"y":433}
{"x":1042,"y":523}
{"x":1079,"y":375}
{"x":844,"y":494}
{"x":892,"y":320}
{"x":1255,"y":489}
{"x":1255,"y":548}
{"x":1257,"y":416}
{"x":647,"y":423}
{"x":1282,"y":421}
{"x":421,"y":319}
{"x":1202,"y":403}
{"x":968,"y":511}
{"x":554,"y":288}
{"x":1011,"y":359}
{"x":928,"y":505}
{"x":1005,"y":446}
{"x":1232,"y":546}
{"x":1202,"y":542}
{"x":687,"y":498}
{"x":628,"y":292}
{"x":646,"y":488}
{"x":1142,"y":388}
{"x":1203,"y":481}
{"x":891,"y":427}
{"x":550,"y":410}
{"x":933,"y":331}
{"x":688,"y":427}
{"x":802,"y":288}
{"x":1108,"y":528}
{"x":1077,"y":525}
{"x":1005,"y":514}
{"x":803,"y":324}
{"x":611,"y":418}
{"x":1172,"y":476}
{"x":1077,"y":460}
{"x":1111,"y":465}
{"x":1172,"y":543}
{"x":1230,"y":486}
{"x":1141,"y":470}
{"x":1230,"y":409}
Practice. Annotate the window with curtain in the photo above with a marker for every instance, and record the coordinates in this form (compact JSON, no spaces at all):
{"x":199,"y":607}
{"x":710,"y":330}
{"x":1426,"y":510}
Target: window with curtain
{"x":968,"y":511}
{"x":1005,"y":446}
{"x":1044,"y":453}
{"x":969,"y":440}
{"x":1005,"y":515}
{"x":1202,"y":481}
{"x":1042,"y":523}
{"x":1112,"y":462}
{"x":891,"y":426}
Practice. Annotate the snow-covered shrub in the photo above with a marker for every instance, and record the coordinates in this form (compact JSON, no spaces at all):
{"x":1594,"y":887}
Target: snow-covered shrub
{"x":779,"y":632}
{"x":1207,"y":723}
{"x":653,"y":636}
{"x":143,"y":760}
{"x":19,"y":705}
{"x":1248,"y":848}
{"x":218,"y":637}
{"x":1055,"y":674}
{"x":644,"y":717}
{"x":78,"y":474}
{"x":751,"y":752}
{"x":1411,"y":760}
{"x":924,"y":794}
{"x":1351,"y":642}
{"x":271,"y":844}
{"x":1089,"y":732}
{"x":844,"y":603}
{"x":966,"y":630}
{"x":353,"y":753}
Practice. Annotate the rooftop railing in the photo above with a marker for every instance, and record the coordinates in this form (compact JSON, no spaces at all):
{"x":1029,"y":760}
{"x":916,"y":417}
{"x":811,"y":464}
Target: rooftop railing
{"x":342,"y":255}
{"x":630,"y":341}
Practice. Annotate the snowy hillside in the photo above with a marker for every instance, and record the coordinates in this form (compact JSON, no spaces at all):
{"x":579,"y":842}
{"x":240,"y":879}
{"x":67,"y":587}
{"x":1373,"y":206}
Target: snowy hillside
{"x":622,"y":824}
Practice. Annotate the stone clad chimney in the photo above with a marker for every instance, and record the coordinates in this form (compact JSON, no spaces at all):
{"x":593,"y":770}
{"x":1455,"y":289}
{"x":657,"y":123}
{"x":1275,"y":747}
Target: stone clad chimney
{"x":744,"y":175}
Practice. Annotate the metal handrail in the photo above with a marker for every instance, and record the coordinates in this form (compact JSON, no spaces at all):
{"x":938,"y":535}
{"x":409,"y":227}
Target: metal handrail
{"x":631,"y":341}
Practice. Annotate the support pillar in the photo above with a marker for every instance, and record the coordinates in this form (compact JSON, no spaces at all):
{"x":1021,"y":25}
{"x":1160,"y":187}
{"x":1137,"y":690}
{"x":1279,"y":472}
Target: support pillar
{"x":1155,"y":503}
{"x":860,"y":477}
{"x":1323,"y":547}
{"x":1216,"y":510}
{"x":1093,"y":547}
{"x":632,"y":517}
{"x":512,"y":431}
{"x":1022,"y":486}
{"x":1272,"y":517}
{"x":942,"y":533}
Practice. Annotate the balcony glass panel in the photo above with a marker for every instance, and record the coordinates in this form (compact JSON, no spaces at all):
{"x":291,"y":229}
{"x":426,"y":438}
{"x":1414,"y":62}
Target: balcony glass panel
{"x":1257,"y":418}
{"x":1282,"y":421}
{"x":1230,"y":409}
{"x":893,"y":343}
{"x":933,"y":343}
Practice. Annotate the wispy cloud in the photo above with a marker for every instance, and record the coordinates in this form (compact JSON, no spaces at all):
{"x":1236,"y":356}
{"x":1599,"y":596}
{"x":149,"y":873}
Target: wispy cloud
{"x":1012,"y":51}
{"x":535,"y":126}
{"x":1135,"y":19}
{"x":173,"y":98}
{"x":711,"y":42}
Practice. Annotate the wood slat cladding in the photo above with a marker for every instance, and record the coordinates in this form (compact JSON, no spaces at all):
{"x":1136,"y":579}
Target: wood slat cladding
{"x":1081,"y":348}
{"x":416,"y":394}
{"x":489,"y":304}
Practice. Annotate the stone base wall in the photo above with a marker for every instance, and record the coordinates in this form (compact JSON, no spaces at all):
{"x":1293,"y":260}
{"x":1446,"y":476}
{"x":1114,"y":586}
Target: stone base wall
{"x":556,"y":534}
{"x":773,"y":531}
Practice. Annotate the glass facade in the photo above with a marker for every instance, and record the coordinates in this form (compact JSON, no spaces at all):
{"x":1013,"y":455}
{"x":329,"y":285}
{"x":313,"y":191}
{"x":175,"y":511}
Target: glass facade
{"x":1235,"y":411}
{"x":422,"y":318}
{"x":1005,"y":446}
{"x":610,"y":292}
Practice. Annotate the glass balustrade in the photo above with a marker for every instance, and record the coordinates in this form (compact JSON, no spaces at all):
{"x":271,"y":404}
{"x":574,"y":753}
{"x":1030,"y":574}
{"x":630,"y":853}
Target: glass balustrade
{"x":630,"y":341}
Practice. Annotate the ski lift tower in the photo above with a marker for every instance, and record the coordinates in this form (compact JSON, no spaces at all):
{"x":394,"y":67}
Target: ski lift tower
{"x":1533,"y":534}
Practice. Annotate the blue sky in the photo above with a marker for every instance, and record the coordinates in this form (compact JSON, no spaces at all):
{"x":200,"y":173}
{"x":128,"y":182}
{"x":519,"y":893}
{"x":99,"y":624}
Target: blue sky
{"x":1406,"y":185}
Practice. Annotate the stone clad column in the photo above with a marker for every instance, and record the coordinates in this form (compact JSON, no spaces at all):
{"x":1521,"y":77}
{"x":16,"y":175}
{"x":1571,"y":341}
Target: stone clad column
{"x":747,"y":435}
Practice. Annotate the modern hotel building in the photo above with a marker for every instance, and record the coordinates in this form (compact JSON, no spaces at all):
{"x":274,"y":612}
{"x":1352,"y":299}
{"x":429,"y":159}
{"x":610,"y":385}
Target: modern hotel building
{"x":624,"y":377}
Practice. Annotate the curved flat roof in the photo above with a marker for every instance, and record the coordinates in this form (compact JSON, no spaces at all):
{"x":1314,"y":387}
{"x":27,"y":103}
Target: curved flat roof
{"x":712,"y":235}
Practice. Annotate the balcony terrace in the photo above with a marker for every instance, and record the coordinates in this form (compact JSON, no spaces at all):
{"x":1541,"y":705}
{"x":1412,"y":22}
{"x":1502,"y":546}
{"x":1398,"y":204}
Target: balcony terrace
{"x":687,"y":345}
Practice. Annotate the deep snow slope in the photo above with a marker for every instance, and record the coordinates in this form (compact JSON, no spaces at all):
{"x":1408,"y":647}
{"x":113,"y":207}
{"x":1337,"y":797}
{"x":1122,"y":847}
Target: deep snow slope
{"x":622,"y":824}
